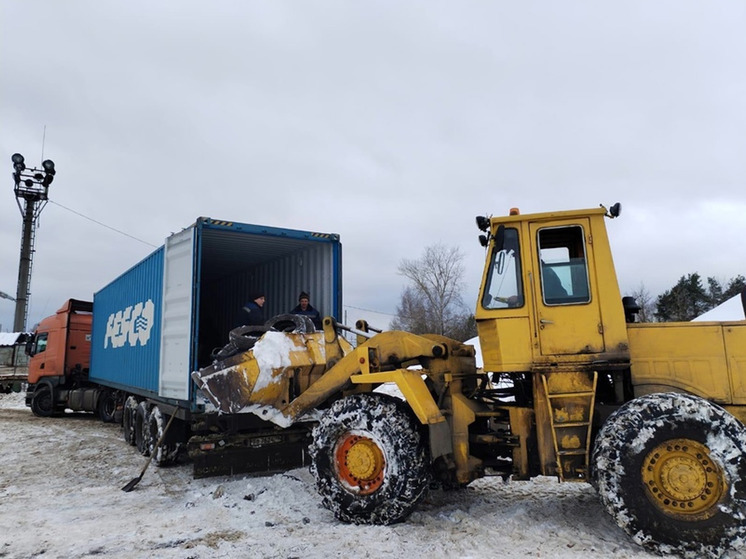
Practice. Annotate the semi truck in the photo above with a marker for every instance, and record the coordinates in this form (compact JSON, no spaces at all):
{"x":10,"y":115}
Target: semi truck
{"x":652,"y":415}
{"x":128,"y":354}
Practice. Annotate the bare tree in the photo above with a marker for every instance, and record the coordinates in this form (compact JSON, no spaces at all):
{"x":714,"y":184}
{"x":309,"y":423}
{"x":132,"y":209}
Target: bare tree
{"x":432,"y":303}
{"x":646,"y":302}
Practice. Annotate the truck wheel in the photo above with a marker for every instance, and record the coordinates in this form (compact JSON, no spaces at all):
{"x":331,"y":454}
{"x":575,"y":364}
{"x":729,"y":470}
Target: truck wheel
{"x":142,"y":432}
{"x":168,"y":451}
{"x":128,"y":420}
{"x":42,"y":402}
{"x":369,"y":459}
{"x":671,"y":470}
{"x":107,"y":406}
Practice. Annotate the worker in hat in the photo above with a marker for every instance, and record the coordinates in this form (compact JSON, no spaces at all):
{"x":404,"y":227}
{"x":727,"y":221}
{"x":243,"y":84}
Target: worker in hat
{"x":255,"y":310}
{"x":304,"y":308}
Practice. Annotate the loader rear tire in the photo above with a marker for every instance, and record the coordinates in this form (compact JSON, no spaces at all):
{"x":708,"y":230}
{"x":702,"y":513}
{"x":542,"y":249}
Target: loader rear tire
{"x":671,"y":471}
{"x":369,"y":459}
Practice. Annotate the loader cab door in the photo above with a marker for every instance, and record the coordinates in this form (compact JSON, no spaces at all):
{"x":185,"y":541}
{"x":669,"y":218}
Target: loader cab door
{"x":567,"y":308}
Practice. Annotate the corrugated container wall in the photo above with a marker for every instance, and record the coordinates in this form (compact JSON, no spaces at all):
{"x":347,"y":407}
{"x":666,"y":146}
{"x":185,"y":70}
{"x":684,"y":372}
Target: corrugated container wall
{"x":126,"y":340}
{"x":198,"y":284}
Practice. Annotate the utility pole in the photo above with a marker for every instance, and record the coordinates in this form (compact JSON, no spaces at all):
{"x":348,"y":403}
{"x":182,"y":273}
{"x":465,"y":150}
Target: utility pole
{"x":31,"y":186}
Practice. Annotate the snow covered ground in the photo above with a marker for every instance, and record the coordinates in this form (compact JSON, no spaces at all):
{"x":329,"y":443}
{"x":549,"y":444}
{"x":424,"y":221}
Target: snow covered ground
{"x":60,"y":497}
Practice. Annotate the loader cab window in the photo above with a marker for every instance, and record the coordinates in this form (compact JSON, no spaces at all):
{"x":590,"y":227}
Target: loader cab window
{"x":563,"y":265}
{"x":504,"y":288}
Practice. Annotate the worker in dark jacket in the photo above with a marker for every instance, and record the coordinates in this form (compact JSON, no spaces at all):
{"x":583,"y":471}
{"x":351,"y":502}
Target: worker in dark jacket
{"x":255,"y":310}
{"x":304,"y":308}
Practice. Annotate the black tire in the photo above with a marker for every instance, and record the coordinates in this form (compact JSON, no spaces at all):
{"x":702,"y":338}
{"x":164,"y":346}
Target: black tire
{"x":671,"y":471}
{"x":142,"y":431}
{"x":106,"y":406}
{"x":128,"y":420}
{"x":244,"y":337}
{"x":42,"y":402}
{"x":168,"y":452}
{"x":291,"y":323}
{"x":390,"y":472}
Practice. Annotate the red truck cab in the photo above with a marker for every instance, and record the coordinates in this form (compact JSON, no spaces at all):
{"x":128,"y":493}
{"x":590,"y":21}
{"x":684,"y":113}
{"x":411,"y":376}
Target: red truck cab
{"x":62,"y":342}
{"x":60,"y":354}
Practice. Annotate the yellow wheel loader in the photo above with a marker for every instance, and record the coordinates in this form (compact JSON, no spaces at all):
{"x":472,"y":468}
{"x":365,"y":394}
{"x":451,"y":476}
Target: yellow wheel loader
{"x":571,"y":386}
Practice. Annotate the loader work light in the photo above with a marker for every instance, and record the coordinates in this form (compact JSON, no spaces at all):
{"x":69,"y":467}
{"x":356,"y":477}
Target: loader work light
{"x":483,"y":223}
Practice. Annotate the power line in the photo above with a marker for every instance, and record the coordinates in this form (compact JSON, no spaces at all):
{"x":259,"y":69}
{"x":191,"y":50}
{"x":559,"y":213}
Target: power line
{"x":370,"y":310}
{"x":103,"y":224}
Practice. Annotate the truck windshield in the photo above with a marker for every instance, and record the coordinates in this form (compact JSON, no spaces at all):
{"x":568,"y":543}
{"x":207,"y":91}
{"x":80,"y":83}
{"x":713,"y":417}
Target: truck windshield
{"x":503,"y":288}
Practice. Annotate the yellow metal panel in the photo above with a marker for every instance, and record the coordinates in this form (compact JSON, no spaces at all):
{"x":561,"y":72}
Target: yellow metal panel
{"x":505,"y":343}
{"x":413,"y":388}
{"x":735,"y":347}
{"x":688,"y":356}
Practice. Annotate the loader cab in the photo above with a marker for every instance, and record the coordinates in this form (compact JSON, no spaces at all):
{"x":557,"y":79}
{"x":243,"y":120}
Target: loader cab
{"x":549,"y":297}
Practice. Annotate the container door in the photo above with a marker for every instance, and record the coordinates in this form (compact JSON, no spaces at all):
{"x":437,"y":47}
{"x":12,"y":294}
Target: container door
{"x":176,"y":332}
{"x":566,"y":297}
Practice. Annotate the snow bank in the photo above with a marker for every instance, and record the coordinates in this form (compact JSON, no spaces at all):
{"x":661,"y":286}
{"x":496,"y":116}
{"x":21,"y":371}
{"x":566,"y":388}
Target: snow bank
{"x":60,"y":497}
{"x":732,"y":309}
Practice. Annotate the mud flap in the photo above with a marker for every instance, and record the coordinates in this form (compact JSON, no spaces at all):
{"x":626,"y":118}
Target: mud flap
{"x":260,"y":453}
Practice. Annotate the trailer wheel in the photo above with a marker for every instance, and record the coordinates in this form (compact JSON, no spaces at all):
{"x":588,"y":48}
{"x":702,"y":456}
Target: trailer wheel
{"x":167,"y":453}
{"x":369,"y":459}
{"x":42,"y":402}
{"x":671,"y":470}
{"x":107,"y":406}
{"x":142,"y":432}
{"x":128,"y":420}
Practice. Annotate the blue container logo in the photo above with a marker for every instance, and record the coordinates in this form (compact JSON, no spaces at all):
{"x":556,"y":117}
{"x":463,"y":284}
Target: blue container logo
{"x":130,"y":326}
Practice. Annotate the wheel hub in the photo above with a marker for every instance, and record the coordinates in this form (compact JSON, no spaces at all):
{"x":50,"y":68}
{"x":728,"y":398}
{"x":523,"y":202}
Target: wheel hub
{"x":360,"y":463}
{"x":682,"y":480}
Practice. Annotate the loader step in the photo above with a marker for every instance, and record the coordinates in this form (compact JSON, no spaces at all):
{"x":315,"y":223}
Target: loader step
{"x":570,"y":417}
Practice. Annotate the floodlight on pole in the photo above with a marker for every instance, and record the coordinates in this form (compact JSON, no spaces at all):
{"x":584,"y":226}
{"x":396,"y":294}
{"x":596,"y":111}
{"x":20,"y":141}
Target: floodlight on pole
{"x":31,"y":186}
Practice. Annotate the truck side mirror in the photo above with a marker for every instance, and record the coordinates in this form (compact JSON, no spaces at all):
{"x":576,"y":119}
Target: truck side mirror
{"x":29,"y":349}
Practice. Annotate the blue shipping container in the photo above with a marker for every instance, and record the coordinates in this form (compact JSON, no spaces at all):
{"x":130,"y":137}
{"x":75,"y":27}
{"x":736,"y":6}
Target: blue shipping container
{"x":162,"y":319}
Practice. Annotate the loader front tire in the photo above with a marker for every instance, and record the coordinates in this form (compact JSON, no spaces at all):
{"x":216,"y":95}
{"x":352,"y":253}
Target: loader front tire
{"x":671,"y":471}
{"x":369,"y":459}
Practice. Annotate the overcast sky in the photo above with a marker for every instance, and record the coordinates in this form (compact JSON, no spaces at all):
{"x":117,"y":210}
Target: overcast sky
{"x":390,"y":123}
